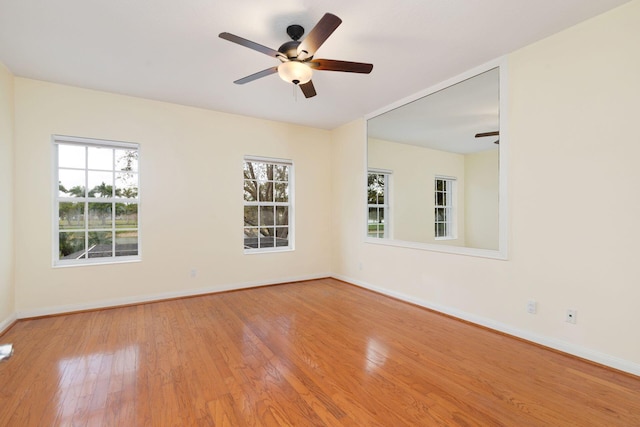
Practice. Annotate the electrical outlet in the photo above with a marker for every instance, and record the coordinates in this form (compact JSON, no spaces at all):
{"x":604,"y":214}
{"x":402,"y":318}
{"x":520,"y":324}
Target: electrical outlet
{"x":571,"y":316}
{"x":193,"y":273}
{"x":532,"y":307}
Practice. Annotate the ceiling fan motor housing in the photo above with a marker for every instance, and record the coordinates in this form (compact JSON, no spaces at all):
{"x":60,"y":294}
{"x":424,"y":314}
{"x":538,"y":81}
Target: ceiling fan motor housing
{"x":290,"y":49}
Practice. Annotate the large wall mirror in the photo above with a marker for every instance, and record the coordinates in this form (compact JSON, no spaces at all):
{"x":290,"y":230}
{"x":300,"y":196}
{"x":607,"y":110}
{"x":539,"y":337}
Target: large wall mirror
{"x":436,"y":164}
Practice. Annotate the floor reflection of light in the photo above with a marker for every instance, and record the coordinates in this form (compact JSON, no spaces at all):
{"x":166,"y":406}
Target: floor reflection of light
{"x":86,"y":382}
{"x":254,"y":347}
{"x":377,"y":354}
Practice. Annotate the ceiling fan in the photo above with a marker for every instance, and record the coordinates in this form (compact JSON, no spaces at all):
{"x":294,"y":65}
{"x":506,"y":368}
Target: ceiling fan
{"x":493,"y":133}
{"x":296,"y":57}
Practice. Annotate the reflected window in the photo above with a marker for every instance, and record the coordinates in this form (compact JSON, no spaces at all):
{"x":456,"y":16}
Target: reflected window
{"x":97,"y":198}
{"x":267,"y":204}
{"x":444,"y":226}
{"x":378,"y":203}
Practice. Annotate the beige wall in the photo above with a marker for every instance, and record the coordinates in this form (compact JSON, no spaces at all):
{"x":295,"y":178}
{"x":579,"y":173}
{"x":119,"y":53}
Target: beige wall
{"x":191,"y":198}
{"x":481,"y":171}
{"x":574,"y":102}
{"x":412,"y":200}
{"x":6,"y":198}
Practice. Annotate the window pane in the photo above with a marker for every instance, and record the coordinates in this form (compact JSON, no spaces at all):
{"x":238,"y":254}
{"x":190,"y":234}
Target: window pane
{"x":282,"y":236}
{"x":126,"y":215}
{"x":127,"y":185}
{"x":71,"y":215}
{"x":267,"y":238}
{"x":372,"y":197}
{"x":282,"y":215}
{"x":260,"y":170}
{"x":251,"y":215}
{"x":440,"y":199}
{"x":267,"y":216}
{"x":250,"y":238}
{"x":71,"y":245}
{"x":71,"y":183}
{"x":126,"y":160}
{"x":281,"y":173}
{"x":281,"y":192}
{"x":100,"y":184}
{"x":126,"y":243}
{"x":375,"y":193}
{"x":100,"y":158}
{"x":249,"y":171}
{"x":100,"y":215}
{"x":373,"y":215}
{"x":250,"y":191}
{"x":266,"y":191}
{"x":71,"y":156}
{"x":100,"y":244}
{"x":439,"y":185}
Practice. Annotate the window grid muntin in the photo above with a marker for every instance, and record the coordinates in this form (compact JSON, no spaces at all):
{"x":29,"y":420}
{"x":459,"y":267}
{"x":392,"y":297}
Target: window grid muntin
{"x":88,"y":230}
{"x":274,"y":242}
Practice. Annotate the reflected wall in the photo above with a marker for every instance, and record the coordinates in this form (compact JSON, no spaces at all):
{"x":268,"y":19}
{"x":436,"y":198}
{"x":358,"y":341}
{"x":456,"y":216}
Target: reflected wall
{"x":443,"y":169}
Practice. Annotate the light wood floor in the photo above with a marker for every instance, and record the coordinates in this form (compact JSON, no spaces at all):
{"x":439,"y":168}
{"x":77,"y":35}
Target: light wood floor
{"x":318,"y":353}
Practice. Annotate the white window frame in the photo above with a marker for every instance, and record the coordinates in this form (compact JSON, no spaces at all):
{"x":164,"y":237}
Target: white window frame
{"x":450,"y":218}
{"x":56,"y":141}
{"x":385,"y":207}
{"x":290,"y":204}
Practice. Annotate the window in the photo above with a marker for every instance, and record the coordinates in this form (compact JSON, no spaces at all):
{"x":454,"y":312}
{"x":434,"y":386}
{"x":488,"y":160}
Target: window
{"x":267,"y":204}
{"x":378,"y":203}
{"x":96,"y":201}
{"x":445,"y":227}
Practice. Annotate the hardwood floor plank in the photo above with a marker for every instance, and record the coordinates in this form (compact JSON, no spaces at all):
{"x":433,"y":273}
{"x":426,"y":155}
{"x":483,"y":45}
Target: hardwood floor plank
{"x":317,"y":353}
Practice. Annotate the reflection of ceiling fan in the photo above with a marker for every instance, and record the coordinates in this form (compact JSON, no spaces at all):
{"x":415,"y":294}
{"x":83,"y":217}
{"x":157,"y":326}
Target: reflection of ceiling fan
{"x":297,"y":56}
{"x":494,"y":133}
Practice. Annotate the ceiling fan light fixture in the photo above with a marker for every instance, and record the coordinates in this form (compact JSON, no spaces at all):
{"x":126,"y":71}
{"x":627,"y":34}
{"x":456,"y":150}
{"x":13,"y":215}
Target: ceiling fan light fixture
{"x":294,"y":72}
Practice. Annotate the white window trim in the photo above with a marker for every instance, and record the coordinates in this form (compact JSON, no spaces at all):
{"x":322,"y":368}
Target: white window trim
{"x":453,"y":214}
{"x":291,"y":205}
{"x":82,"y":141}
{"x":387,"y":234}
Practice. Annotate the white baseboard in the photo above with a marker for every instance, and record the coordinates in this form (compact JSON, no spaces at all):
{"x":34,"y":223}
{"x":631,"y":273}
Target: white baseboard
{"x":4,"y":325}
{"x":563,"y":346}
{"x":69,"y":308}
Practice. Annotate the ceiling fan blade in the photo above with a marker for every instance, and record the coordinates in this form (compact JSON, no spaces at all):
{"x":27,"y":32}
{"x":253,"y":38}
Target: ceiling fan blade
{"x":256,"y":76}
{"x":346,"y":66}
{"x":308,"y":89}
{"x":251,"y":45}
{"x":483,"y":134}
{"x":318,"y":35}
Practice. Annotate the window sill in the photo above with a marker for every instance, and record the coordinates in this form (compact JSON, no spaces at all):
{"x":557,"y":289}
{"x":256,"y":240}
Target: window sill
{"x":267,"y":251}
{"x":92,"y":263}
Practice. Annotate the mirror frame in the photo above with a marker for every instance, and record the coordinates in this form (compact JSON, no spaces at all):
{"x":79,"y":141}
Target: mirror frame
{"x":501,"y":252}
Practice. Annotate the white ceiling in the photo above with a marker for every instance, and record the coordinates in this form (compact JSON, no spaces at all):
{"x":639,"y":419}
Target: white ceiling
{"x":169,"y":50}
